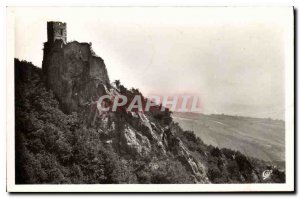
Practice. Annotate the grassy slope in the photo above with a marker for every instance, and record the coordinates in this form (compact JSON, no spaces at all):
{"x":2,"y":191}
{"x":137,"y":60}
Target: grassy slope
{"x":261,"y":138}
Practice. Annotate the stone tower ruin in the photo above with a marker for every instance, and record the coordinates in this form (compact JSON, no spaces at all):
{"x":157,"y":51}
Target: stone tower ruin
{"x":56,"y":31}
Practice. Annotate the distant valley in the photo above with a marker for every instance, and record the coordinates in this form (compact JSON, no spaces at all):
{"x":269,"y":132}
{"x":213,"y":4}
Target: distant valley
{"x":256,"y":137}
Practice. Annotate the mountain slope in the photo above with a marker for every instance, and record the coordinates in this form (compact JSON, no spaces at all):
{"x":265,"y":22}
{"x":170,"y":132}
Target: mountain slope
{"x":63,"y":137}
{"x":55,"y":147}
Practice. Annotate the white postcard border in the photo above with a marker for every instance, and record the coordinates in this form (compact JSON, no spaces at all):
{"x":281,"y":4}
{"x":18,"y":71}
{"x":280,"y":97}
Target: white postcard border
{"x":289,"y":119}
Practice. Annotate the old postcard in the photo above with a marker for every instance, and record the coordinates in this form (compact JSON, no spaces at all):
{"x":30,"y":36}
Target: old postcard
{"x":150,"y":99}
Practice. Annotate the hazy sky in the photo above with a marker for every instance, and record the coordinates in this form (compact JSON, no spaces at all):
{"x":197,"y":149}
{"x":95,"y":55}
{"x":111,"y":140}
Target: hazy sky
{"x":232,"y":58}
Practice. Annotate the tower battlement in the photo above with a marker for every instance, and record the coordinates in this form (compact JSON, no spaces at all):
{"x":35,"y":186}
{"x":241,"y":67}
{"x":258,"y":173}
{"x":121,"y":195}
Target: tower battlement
{"x":56,"y":30}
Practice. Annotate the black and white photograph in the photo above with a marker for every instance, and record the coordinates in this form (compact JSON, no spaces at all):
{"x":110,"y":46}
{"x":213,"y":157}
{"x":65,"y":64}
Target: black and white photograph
{"x":150,"y":99}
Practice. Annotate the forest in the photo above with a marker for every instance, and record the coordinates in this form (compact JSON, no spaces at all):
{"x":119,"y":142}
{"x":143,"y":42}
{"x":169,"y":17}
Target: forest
{"x":53,"y":147}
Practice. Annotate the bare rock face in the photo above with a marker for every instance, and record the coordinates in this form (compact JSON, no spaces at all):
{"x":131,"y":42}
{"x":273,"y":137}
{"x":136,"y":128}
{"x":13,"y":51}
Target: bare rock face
{"x":175,"y":144}
{"x":78,"y":78}
{"x":73,"y":73}
{"x":135,"y":142}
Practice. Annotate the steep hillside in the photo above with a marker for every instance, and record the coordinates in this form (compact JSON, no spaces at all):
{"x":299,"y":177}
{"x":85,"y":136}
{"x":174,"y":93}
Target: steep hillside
{"x":62,"y":136}
{"x":74,"y":73}
{"x":55,"y":147}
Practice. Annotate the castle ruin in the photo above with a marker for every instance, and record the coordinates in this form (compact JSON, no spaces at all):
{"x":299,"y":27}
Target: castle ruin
{"x":71,"y":69}
{"x":56,"y":31}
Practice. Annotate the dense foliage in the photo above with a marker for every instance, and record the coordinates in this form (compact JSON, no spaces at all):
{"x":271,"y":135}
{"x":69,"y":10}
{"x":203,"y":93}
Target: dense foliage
{"x":54,"y":147}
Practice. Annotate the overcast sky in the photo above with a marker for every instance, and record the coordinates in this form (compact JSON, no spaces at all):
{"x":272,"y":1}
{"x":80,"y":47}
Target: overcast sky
{"x":232,"y":58}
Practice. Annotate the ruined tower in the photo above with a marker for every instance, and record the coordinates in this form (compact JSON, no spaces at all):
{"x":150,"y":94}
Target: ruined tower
{"x":55,"y":31}
{"x":71,"y":70}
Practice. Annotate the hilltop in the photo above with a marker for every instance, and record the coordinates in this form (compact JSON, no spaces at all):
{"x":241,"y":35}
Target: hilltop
{"x":63,"y":137}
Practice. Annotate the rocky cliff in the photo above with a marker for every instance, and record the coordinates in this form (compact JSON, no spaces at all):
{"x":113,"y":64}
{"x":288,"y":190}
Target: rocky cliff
{"x":63,"y":136}
{"x":78,"y":78}
{"x":73,"y":73}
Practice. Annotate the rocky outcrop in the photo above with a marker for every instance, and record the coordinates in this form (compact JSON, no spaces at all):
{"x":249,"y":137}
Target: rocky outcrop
{"x":73,"y":73}
{"x":174,"y":144}
{"x":78,"y":78}
{"x":151,"y":149}
{"x":135,"y":142}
